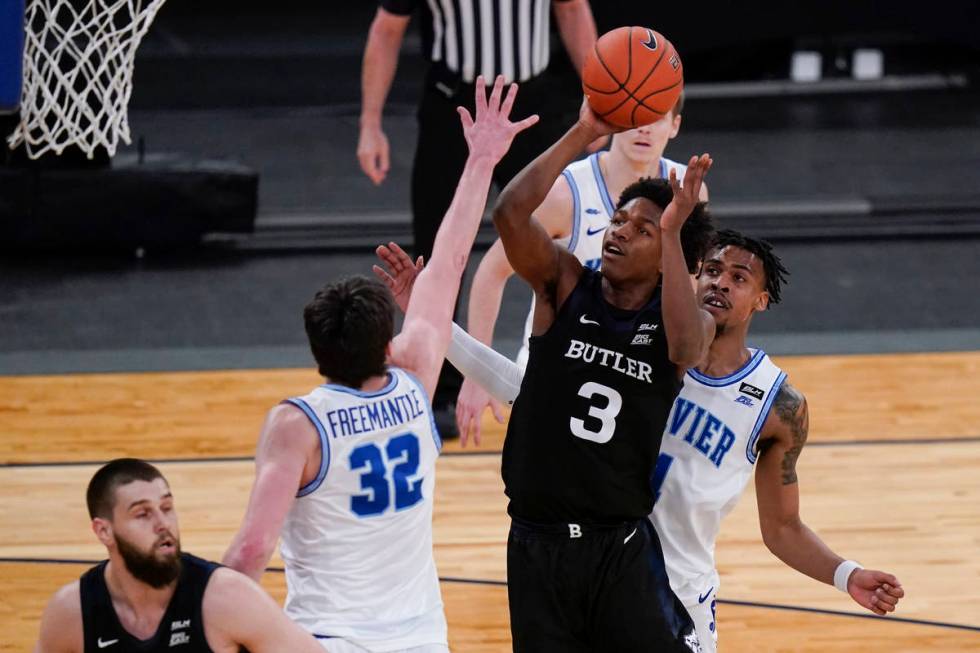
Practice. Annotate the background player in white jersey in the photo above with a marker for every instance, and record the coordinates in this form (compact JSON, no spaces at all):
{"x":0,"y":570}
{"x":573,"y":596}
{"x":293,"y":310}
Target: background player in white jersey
{"x":575,"y":214}
{"x":346,"y":474}
{"x":735,"y":409}
{"x":736,"y":412}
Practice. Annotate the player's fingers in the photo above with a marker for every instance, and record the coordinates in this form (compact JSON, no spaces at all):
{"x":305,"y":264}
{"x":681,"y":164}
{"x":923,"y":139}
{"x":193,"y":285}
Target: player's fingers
{"x":419,"y":263}
{"x":894,"y":590}
{"x":462,"y":422}
{"x":524,"y":124}
{"x":508,"y":101}
{"x":383,"y":276}
{"x":481,"y":96}
{"x":882,"y":578}
{"x":495,"y":93}
{"x":880,"y":606}
{"x":465,"y":117}
{"x":886,"y":598}
{"x":498,"y":411}
{"x":398,"y":251}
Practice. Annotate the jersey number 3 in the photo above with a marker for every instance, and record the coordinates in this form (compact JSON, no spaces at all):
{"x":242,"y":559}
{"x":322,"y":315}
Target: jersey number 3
{"x":606,"y":414}
{"x":402,"y":452}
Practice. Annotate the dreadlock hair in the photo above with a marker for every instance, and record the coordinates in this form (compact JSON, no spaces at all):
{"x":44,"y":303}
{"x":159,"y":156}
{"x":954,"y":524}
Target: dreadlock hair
{"x":698,"y":229}
{"x":773,"y":267}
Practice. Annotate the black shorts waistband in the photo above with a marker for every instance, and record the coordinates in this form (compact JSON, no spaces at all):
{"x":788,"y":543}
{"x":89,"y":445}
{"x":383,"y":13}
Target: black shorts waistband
{"x":567,"y":530}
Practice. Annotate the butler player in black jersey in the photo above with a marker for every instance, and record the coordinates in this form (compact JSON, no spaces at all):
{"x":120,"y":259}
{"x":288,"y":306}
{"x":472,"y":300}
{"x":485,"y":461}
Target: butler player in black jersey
{"x":149,"y":596}
{"x":585,"y":571}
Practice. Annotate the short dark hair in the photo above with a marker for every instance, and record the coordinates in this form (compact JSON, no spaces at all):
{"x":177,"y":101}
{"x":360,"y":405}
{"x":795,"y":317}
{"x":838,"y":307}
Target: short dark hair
{"x":772,"y":266}
{"x":698,"y":229}
{"x":101,"y":493}
{"x":349,"y":324}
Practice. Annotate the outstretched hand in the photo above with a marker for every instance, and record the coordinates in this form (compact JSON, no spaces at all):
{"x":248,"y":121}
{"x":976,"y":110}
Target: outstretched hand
{"x":686,"y":194}
{"x":491,"y":134}
{"x":875,"y":590}
{"x":400,"y":273}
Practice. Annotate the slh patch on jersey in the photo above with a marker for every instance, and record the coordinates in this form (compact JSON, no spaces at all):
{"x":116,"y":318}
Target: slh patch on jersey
{"x":751,"y":390}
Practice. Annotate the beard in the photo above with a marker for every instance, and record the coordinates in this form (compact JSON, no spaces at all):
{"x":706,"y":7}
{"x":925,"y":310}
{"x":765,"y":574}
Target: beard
{"x":147,"y":567}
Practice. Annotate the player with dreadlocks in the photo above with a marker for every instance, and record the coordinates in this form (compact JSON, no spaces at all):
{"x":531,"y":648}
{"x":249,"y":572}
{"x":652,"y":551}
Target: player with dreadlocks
{"x":736,"y":412}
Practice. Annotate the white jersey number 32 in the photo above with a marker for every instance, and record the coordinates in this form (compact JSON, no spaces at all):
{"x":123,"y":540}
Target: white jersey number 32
{"x":606,"y":415}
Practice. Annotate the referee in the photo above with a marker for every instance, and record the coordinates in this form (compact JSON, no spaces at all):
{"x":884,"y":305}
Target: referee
{"x":462,"y":39}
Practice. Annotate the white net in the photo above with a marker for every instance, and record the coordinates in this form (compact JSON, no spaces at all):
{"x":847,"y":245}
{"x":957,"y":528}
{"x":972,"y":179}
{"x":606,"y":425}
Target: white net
{"x":78,"y":73}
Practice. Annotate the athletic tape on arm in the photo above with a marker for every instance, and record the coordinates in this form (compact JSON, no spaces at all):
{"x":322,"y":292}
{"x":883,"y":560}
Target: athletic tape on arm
{"x":496,"y":373}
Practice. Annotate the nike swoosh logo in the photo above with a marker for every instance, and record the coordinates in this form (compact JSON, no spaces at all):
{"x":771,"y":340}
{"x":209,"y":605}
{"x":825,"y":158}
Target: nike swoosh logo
{"x":702,"y":599}
{"x":651,"y":42}
{"x":107,"y":643}
{"x":630,"y":536}
{"x":591,"y":232}
{"x":585,"y":320}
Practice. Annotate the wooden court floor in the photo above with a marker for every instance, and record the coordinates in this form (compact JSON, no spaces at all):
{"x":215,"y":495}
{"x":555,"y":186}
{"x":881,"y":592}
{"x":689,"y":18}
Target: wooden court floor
{"x":890,"y":477}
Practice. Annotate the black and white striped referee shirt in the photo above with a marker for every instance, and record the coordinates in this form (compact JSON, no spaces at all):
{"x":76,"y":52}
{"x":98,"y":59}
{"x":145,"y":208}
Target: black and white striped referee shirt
{"x":473,"y":37}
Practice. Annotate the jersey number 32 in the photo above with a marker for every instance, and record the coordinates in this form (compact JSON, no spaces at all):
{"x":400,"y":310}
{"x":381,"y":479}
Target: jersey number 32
{"x":380,"y":478}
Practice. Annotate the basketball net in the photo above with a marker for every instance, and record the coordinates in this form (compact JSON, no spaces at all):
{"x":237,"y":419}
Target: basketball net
{"x":78,"y":73}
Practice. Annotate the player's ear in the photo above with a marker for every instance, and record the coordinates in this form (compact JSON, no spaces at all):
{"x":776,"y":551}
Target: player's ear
{"x":675,"y":124}
{"x":103,"y":530}
{"x":762,"y":301}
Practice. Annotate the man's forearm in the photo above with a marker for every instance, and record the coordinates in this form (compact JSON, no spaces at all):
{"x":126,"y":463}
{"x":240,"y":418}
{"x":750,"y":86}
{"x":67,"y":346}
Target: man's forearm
{"x":441,"y":277}
{"x":378,"y":68}
{"x":803,"y":550}
{"x":682,"y":316}
{"x":486,"y":294}
{"x":576,"y":26}
{"x":528,"y":189}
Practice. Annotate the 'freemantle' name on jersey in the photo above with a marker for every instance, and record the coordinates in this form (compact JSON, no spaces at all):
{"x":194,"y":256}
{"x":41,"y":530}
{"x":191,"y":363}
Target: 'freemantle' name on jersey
{"x":608,"y":358}
{"x":374,"y":416}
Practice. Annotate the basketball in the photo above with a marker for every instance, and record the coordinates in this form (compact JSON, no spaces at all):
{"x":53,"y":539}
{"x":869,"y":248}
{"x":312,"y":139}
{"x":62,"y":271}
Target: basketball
{"x":632,"y":77}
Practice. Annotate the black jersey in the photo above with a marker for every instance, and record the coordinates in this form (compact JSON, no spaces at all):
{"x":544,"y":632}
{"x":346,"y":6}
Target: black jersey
{"x":182,"y":626}
{"x":586,"y":427}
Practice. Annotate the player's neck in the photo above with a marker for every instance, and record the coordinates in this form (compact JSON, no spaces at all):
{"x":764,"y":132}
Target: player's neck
{"x":726,"y":354}
{"x":620,"y":171}
{"x":135,"y":595}
{"x":629,"y":296}
{"x":372,"y":384}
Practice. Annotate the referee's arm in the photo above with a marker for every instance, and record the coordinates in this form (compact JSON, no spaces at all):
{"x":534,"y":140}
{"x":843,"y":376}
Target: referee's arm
{"x":377,"y":72}
{"x":577,"y":29}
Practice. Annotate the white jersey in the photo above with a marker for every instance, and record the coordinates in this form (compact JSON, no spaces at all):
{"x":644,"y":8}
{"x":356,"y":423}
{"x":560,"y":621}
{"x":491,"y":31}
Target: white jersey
{"x":706,"y":458}
{"x":592,"y":209}
{"x":357,"y":542}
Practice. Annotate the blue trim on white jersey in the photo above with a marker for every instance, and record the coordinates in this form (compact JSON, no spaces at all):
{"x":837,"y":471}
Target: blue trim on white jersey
{"x":763,"y":415}
{"x":601,"y":183}
{"x":576,"y":208}
{"x":324,"y":447}
{"x":432,"y":415}
{"x":737,"y":375}
{"x":392,"y":382}
{"x":663,"y":169}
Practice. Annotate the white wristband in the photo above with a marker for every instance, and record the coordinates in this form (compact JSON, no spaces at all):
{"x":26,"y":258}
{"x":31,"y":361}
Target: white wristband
{"x":843,"y":573}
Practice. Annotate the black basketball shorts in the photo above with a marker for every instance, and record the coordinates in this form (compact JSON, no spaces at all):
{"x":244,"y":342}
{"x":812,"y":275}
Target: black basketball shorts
{"x":578,"y":588}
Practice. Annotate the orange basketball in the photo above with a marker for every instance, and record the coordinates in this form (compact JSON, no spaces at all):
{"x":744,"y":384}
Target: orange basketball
{"x":632,"y":77}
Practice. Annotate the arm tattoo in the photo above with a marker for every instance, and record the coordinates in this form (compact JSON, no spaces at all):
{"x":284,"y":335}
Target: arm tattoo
{"x":792,"y":410}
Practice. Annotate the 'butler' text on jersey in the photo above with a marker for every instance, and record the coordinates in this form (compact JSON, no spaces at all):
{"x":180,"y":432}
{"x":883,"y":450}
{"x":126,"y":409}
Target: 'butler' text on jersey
{"x":586,"y":428}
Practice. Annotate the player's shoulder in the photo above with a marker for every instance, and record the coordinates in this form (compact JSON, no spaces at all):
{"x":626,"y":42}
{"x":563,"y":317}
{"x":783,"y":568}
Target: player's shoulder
{"x":789,"y":416}
{"x":61,"y":624}
{"x":68,"y":600}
